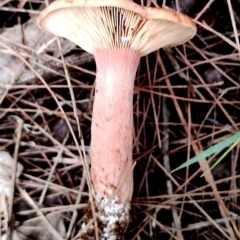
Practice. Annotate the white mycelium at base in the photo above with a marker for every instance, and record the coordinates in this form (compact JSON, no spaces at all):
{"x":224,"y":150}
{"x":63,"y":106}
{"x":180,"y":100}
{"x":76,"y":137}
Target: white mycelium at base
{"x":112,"y":218}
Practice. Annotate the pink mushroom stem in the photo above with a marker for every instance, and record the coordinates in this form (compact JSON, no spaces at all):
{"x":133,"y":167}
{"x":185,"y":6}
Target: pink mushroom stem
{"x":112,"y":124}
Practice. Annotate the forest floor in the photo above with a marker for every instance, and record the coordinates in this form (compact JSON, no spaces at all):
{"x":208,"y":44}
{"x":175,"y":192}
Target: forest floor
{"x":186,"y":99}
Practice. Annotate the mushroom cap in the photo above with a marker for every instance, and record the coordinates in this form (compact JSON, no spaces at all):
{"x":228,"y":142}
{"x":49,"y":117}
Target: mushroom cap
{"x":109,"y":24}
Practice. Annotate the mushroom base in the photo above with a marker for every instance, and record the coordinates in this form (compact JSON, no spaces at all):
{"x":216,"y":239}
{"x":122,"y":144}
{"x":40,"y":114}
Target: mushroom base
{"x":112,"y":124}
{"x":112,"y":219}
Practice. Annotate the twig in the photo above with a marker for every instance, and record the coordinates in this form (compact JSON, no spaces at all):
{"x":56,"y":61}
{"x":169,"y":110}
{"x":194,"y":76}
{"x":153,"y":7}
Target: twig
{"x":165,"y":149}
{"x":13,"y":177}
{"x":38,"y":211}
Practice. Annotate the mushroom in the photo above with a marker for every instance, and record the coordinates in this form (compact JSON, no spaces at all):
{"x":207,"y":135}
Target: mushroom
{"x":118,"y":33}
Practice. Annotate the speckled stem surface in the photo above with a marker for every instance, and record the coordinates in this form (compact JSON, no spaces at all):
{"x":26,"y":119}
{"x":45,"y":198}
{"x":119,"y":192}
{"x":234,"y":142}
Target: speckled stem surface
{"x":112,"y":124}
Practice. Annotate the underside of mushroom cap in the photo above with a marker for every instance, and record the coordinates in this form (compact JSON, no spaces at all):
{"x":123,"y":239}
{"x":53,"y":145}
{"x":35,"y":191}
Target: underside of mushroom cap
{"x":111,"y":24}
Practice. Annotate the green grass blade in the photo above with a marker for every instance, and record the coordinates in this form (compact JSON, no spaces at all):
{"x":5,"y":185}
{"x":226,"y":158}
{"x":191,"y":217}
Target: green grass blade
{"x":223,"y":156}
{"x":211,"y":150}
